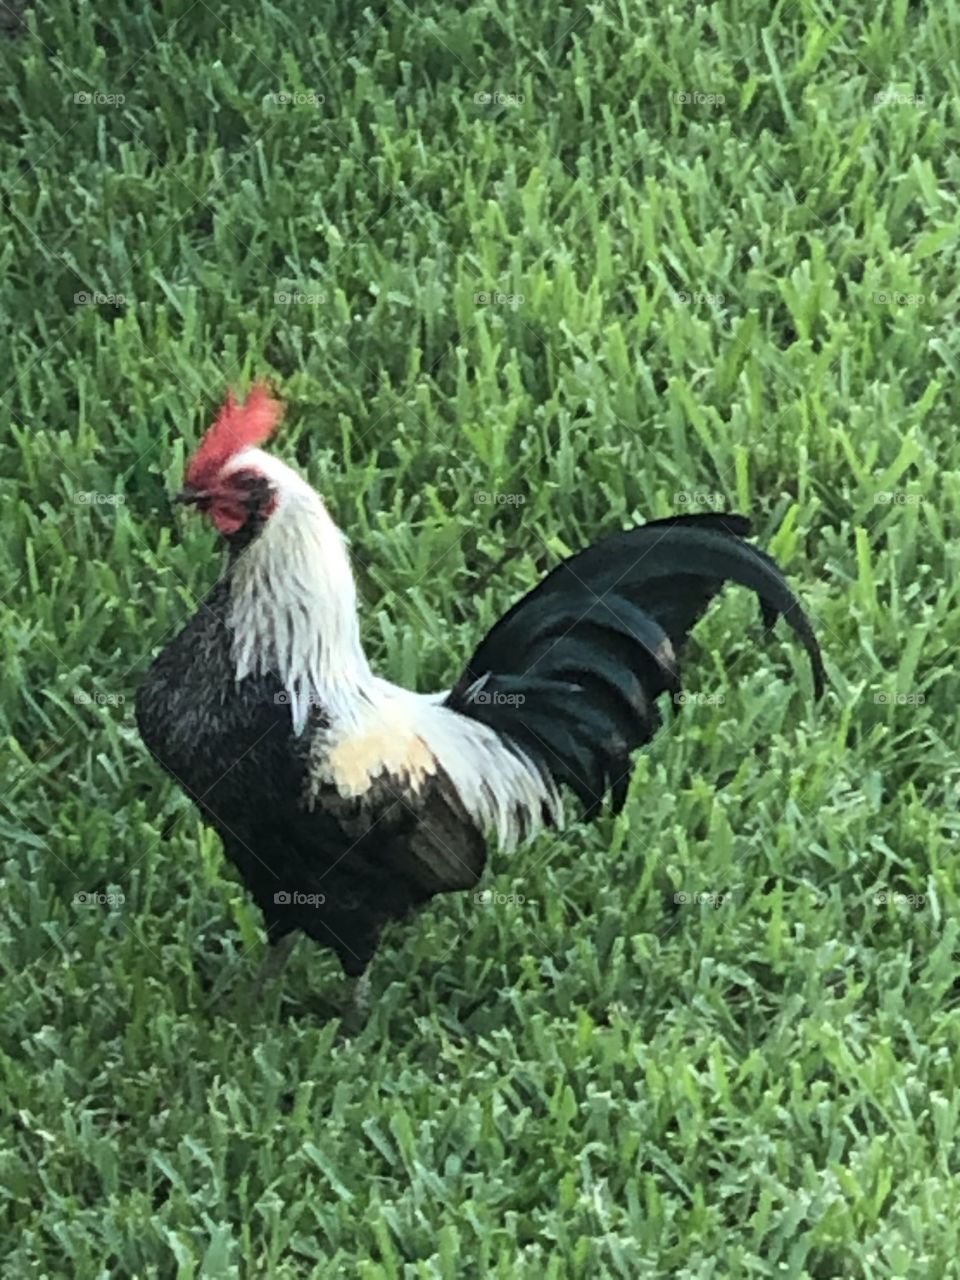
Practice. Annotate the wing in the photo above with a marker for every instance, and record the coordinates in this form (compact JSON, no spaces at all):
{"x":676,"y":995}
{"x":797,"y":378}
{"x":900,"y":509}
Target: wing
{"x":391,"y":796}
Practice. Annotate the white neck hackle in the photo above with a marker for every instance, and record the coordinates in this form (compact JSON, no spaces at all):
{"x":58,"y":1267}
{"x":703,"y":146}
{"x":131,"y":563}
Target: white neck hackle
{"x":293,"y":607}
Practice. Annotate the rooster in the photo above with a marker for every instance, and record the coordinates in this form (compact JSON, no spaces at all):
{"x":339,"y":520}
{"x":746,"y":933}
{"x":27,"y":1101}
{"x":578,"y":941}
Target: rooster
{"x":346,"y":801}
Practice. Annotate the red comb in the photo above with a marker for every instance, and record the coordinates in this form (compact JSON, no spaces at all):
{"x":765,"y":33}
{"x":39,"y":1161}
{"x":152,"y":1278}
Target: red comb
{"x":238,"y":426}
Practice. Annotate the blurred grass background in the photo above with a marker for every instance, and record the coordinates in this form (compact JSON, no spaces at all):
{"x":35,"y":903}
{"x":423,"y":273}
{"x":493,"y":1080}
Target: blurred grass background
{"x":524,"y":276}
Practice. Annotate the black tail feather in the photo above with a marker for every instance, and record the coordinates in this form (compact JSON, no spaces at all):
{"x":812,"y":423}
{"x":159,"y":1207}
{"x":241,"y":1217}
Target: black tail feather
{"x":572,"y":672}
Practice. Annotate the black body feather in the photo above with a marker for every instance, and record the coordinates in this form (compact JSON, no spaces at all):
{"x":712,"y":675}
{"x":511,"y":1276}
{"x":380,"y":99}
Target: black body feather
{"x":340,"y":872}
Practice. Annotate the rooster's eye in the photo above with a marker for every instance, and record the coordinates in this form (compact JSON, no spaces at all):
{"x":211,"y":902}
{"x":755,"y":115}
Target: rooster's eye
{"x":252,"y":489}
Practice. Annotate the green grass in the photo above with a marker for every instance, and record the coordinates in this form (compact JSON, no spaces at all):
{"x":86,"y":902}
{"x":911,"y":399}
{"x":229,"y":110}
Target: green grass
{"x":750,"y":301}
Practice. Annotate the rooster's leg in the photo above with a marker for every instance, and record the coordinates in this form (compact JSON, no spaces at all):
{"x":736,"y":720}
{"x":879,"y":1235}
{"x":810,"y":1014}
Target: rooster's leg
{"x":358,"y":1009}
{"x":274,"y":964}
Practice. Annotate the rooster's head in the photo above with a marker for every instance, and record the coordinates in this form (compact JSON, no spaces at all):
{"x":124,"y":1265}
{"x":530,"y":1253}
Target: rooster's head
{"x":229,"y":478}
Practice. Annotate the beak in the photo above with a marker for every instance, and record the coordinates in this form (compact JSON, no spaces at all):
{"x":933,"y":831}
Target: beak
{"x":189,"y":496}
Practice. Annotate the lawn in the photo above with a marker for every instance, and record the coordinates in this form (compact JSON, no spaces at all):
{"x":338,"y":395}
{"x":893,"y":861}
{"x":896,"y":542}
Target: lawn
{"x":525,"y":275}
